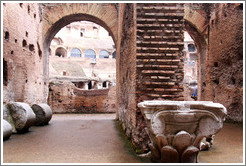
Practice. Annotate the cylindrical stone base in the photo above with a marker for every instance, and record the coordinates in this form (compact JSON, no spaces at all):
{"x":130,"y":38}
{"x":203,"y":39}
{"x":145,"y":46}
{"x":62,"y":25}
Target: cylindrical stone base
{"x":43,"y":113}
{"x":22,"y":115}
{"x":7,"y":130}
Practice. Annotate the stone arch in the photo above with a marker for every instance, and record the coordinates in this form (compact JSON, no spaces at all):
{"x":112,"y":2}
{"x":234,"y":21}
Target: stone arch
{"x":61,"y":52}
{"x":58,"y":15}
{"x":90,"y":53}
{"x":103,"y":54}
{"x":196,"y":24}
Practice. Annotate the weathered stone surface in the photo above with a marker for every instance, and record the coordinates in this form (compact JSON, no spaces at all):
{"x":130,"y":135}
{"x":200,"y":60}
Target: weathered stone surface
{"x":22,"y":115}
{"x":7,"y":129}
{"x":43,"y":113}
{"x":176,"y":128}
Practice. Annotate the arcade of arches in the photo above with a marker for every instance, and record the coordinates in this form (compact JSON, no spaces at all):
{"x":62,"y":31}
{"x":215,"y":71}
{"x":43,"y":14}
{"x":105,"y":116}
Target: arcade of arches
{"x":149,"y":53}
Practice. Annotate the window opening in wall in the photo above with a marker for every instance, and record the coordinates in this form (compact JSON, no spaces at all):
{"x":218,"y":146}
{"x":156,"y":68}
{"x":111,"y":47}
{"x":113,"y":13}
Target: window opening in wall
{"x":5,"y":73}
{"x":28,"y":9}
{"x":114,"y":54}
{"x":90,"y":85}
{"x":191,"y":48}
{"x":26,"y":34}
{"x":104,"y":84}
{"x":24,"y":43}
{"x":31,"y":47}
{"x":75,"y":52}
{"x":90,"y":54}
{"x":82,"y":31}
{"x":190,"y":68}
{"x":61,"y":52}
{"x":6,"y":37}
{"x":80,"y":85}
{"x":103,"y":54}
{"x":21,"y":4}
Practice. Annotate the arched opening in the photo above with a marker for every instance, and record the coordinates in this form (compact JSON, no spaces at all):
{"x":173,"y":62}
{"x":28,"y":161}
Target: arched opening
{"x":90,"y":85}
{"x":114,"y":54}
{"x":103,"y":54}
{"x":75,"y":52}
{"x":104,"y":84}
{"x":198,"y":52}
{"x":61,"y":52}
{"x":90,"y":54}
{"x":84,"y":33}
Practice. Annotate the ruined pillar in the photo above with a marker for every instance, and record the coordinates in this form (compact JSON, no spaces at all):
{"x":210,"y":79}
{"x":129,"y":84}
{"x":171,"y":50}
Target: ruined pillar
{"x":7,"y":130}
{"x":21,"y":115}
{"x":176,"y":128}
{"x":43,"y":113}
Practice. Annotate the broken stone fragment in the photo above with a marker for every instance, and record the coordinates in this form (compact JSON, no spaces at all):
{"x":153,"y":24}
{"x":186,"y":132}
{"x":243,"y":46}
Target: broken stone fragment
{"x":7,"y":129}
{"x":43,"y":113}
{"x":22,"y":115}
{"x":8,"y":117}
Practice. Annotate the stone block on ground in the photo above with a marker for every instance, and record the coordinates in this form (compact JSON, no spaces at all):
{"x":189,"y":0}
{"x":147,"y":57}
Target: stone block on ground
{"x":22,"y":115}
{"x":7,"y":116}
{"x":7,"y":129}
{"x":43,"y":113}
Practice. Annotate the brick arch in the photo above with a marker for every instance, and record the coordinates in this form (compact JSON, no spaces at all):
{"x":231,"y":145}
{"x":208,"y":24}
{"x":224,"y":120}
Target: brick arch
{"x":196,"y":19}
{"x":59,"y":15}
{"x":196,"y":24}
{"x":56,"y":16}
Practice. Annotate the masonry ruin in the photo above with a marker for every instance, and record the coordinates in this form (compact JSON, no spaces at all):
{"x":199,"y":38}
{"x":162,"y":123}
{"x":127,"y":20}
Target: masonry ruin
{"x":149,"y":58}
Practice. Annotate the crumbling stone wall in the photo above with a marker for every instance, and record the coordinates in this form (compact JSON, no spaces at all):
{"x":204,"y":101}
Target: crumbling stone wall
{"x":225,"y":59}
{"x":126,"y":67}
{"x":22,"y":53}
{"x":64,"y":97}
{"x":217,"y":30}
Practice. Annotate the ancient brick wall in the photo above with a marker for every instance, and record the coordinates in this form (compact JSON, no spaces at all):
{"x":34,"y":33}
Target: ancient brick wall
{"x":159,"y":51}
{"x":150,"y":61}
{"x":159,"y":57}
{"x":217,"y":30}
{"x":225,"y":59}
{"x":64,"y":97}
{"x":126,"y":67}
{"x":22,"y":53}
